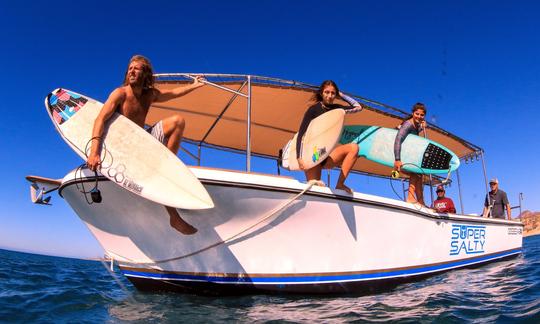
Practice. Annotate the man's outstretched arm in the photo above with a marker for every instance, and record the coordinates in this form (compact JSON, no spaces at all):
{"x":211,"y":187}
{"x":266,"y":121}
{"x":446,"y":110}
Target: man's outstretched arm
{"x":165,"y":95}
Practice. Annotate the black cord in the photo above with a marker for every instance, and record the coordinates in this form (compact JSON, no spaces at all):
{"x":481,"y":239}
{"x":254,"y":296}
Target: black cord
{"x":81,"y":188}
{"x":403,"y":198}
{"x":95,"y":195}
{"x":104,"y":150}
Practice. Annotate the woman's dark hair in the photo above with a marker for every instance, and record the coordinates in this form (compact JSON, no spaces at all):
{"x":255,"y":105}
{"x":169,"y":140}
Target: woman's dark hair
{"x":415,"y":107}
{"x":419,"y":106}
{"x":317,"y":96}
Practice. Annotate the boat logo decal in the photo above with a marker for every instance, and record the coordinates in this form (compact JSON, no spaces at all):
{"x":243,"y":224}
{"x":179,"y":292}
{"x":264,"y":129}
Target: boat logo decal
{"x":515,"y":231}
{"x":118,"y":175}
{"x":467,"y":239}
{"x":317,"y":153}
{"x":64,"y":104}
{"x":349,"y":135}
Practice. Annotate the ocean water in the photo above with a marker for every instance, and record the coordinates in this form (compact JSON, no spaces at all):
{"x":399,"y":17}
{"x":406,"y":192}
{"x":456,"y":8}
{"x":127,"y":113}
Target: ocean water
{"x":35,"y":288}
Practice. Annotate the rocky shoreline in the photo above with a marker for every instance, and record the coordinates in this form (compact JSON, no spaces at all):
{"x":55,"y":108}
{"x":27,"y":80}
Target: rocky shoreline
{"x":531,"y":220}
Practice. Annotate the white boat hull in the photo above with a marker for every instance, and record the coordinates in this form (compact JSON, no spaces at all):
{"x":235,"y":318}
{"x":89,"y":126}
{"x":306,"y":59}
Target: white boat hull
{"x":323,"y":241}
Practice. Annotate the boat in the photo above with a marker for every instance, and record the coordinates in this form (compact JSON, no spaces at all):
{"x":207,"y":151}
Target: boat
{"x":270,"y":233}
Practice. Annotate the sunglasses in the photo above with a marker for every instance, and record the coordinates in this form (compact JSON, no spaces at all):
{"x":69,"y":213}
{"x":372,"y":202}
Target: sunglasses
{"x":439,"y":191}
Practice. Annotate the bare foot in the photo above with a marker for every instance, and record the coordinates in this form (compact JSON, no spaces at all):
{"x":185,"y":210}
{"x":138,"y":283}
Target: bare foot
{"x":181,"y":226}
{"x":319,"y":183}
{"x":178,"y":223}
{"x":418,"y":205}
{"x":344,"y":188}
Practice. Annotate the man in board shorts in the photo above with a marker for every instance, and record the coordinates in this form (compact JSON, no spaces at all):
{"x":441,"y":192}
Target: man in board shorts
{"x":157,"y":131}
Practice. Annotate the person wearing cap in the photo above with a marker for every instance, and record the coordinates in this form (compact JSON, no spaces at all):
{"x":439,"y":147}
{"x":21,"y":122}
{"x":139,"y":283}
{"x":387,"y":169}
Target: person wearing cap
{"x":496,"y":202}
{"x":443,"y":204}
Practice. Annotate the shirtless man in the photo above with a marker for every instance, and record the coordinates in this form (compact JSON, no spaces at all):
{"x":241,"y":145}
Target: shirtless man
{"x":133,"y":99}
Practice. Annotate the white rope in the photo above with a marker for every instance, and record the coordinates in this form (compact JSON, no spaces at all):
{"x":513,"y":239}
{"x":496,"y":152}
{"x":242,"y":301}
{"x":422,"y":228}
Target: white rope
{"x":264,"y":218}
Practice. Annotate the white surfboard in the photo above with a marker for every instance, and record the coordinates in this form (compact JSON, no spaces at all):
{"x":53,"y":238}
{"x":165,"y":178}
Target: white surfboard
{"x":131,"y":157}
{"x":321,"y":137}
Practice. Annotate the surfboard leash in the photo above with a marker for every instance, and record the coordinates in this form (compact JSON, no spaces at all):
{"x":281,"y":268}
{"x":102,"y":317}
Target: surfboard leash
{"x":395,"y":175}
{"x":95,"y":193}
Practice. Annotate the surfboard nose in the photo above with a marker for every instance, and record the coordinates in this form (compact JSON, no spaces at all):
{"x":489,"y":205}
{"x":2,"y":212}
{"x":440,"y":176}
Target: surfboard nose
{"x":206,"y":201}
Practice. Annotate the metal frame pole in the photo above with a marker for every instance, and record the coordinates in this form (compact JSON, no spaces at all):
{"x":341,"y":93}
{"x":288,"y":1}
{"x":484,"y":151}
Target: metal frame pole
{"x":199,"y":154}
{"x":192,"y":76}
{"x":520,"y":200}
{"x":430,"y":177}
{"x":222,"y":112}
{"x":248,"y":137}
{"x":459,"y":192}
{"x":430,"y":188}
{"x":191,"y":154}
{"x":328,"y":176}
{"x":486,"y":180}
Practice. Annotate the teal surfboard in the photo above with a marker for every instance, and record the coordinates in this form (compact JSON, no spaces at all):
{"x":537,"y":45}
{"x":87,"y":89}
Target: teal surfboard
{"x":418,"y":154}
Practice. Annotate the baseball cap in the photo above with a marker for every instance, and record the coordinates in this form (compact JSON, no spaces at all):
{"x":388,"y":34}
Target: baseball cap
{"x":494,"y":180}
{"x":440,"y":188}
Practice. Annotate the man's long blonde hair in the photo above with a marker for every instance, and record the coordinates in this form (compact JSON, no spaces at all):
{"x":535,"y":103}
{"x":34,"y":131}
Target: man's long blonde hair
{"x":147,"y":74}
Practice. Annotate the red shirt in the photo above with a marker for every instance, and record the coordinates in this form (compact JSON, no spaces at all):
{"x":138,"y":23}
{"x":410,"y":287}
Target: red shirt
{"x":444,"y":205}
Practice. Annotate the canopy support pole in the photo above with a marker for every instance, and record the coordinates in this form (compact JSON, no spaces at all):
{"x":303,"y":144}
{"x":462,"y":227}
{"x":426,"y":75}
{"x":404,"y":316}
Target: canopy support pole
{"x":520,"y":200}
{"x":486,"y":181}
{"x":199,"y":154}
{"x":235,"y":95}
{"x":431,"y":188}
{"x":197,"y":158}
{"x":248,"y":135}
{"x":459,"y":192}
{"x":328,"y":176}
{"x":192,"y":76}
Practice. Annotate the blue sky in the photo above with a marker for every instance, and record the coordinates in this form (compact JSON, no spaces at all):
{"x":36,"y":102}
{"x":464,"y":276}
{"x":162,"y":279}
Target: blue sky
{"x":474,"y":63}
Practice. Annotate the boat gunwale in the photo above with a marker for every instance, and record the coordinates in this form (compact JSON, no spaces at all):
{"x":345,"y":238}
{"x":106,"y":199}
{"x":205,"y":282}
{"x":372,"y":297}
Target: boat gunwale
{"x":267,"y":187}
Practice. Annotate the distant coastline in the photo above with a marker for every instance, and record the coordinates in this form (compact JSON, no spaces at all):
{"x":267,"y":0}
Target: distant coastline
{"x":531,"y":222}
{"x":45,"y":254}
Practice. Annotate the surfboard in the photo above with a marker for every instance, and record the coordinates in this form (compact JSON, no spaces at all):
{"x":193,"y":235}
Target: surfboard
{"x":131,"y":157}
{"x":320,"y":138}
{"x":418,"y":154}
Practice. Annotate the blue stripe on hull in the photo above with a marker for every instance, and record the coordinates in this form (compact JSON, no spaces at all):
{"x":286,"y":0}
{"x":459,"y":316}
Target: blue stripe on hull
{"x":247,"y":279}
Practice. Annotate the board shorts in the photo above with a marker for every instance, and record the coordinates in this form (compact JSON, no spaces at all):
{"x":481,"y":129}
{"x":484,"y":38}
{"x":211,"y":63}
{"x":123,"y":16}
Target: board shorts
{"x":157,"y":131}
